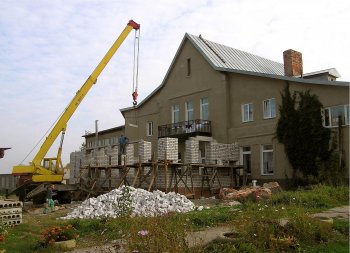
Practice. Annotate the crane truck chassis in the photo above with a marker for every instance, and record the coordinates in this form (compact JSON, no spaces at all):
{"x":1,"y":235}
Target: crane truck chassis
{"x":33,"y":179}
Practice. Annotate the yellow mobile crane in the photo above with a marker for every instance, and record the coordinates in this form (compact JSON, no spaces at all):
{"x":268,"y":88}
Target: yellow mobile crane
{"x":50,"y":170}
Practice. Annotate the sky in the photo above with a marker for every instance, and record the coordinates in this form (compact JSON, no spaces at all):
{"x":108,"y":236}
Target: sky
{"x":49,"y":48}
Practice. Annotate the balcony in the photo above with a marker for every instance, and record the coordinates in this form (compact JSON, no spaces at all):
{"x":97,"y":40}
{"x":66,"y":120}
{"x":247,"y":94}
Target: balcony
{"x":185,"y":129}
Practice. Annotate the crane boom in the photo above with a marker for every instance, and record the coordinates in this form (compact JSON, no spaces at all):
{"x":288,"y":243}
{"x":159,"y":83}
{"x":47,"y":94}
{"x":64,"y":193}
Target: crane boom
{"x":41,"y":173}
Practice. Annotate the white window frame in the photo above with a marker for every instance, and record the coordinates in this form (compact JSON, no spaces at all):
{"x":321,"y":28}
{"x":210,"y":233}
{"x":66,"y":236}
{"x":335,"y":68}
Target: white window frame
{"x":149,"y":128}
{"x":204,"y":104}
{"x":269,"y":108}
{"x":262,"y":159}
{"x":249,"y":107}
{"x":246,"y":153}
{"x":328,"y":111}
{"x":189,"y":111}
{"x":175,"y":109}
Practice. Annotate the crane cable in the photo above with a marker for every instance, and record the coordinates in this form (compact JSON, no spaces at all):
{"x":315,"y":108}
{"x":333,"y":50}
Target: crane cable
{"x":136,"y":67}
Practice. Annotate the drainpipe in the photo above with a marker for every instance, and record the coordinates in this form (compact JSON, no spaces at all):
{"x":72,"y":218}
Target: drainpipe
{"x":228,"y":104}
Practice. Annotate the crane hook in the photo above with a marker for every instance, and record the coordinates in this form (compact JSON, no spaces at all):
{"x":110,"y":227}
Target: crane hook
{"x":134,"y":97}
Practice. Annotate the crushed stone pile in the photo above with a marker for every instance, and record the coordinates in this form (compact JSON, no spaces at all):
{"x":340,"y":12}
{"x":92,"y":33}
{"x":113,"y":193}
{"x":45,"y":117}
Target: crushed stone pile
{"x":137,"y":202}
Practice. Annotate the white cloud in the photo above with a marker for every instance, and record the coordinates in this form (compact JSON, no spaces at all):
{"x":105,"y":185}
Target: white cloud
{"x":49,"y":48}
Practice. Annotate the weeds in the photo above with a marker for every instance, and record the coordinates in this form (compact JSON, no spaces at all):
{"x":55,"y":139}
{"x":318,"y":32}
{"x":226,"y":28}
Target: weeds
{"x":318,"y":197}
{"x":257,"y":225}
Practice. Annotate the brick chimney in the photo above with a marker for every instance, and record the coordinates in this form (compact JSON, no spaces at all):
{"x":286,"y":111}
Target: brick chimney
{"x":293,"y":63}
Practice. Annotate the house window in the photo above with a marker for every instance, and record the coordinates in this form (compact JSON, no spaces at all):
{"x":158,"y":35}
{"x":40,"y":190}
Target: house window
{"x":204,"y":109}
{"x":150,"y":128}
{"x":101,"y":142}
{"x":247,"y":112}
{"x":246,"y":159}
{"x":269,"y":106}
{"x":175,"y":113}
{"x":188,"y":66}
{"x":113,"y":140}
{"x":267,"y":160}
{"x":331,"y":115}
{"x":189,"y":110}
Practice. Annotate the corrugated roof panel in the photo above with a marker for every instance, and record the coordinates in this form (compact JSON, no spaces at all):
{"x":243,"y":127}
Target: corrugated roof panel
{"x":222,"y":56}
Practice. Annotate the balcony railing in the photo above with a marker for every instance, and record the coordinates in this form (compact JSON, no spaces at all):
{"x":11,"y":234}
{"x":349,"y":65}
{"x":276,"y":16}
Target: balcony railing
{"x":185,"y":128}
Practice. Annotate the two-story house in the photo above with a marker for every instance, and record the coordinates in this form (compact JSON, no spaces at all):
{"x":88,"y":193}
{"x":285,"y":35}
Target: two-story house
{"x":215,"y":92}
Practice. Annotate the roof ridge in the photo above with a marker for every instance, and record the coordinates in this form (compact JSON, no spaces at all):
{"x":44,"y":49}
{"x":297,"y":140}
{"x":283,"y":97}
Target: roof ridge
{"x":223,"y":56}
{"x":211,"y":48}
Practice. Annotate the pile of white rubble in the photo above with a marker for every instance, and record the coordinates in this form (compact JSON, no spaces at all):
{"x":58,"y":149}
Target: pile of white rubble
{"x":141,"y":202}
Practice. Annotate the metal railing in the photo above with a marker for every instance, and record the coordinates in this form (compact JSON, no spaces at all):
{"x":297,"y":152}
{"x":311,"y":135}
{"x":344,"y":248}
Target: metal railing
{"x":191,"y":127}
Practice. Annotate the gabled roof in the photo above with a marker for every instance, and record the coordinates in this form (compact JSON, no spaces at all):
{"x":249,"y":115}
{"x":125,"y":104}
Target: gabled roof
{"x":226,"y":58}
{"x":332,"y":72}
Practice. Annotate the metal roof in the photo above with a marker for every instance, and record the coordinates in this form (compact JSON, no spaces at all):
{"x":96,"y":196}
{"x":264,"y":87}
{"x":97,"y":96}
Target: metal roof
{"x":228,"y":58}
{"x":224,"y":58}
{"x":332,"y":72}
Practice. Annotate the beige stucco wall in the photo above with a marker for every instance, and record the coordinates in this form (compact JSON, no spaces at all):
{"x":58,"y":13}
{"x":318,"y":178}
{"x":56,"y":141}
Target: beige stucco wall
{"x":252,"y":89}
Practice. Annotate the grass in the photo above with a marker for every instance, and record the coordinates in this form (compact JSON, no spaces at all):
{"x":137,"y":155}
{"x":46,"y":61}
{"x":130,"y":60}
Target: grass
{"x":257,"y":226}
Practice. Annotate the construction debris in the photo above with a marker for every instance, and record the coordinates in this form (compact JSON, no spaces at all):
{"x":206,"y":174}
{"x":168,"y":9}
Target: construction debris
{"x":255,"y":193}
{"x":133,"y":202}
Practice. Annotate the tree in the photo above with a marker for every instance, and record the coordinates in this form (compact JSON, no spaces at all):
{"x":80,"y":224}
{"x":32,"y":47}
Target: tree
{"x":301,"y":131}
{"x":287,"y":127}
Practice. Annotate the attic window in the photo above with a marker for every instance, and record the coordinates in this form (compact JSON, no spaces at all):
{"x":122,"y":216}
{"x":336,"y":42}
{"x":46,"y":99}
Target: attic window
{"x":188,"y":66}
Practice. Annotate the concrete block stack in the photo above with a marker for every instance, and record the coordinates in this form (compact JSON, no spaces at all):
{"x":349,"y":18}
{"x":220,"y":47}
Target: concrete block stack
{"x":217,"y":153}
{"x":11,"y":212}
{"x":168,"y":148}
{"x":114,"y":155}
{"x":234,"y":152}
{"x":76,"y":161}
{"x":145,"y":151}
{"x":211,"y":152}
{"x":88,"y":159}
{"x":130,"y":154}
{"x":100,"y":157}
{"x":192,"y":151}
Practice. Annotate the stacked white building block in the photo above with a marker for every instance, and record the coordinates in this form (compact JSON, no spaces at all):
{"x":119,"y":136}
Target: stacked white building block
{"x":114,"y":155}
{"x":145,"y":151}
{"x":130,"y":154}
{"x":217,"y":153}
{"x":211,"y":152}
{"x":192,"y":154}
{"x":168,"y":149}
{"x":10,"y":212}
{"x":76,"y":161}
{"x":100,"y":157}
